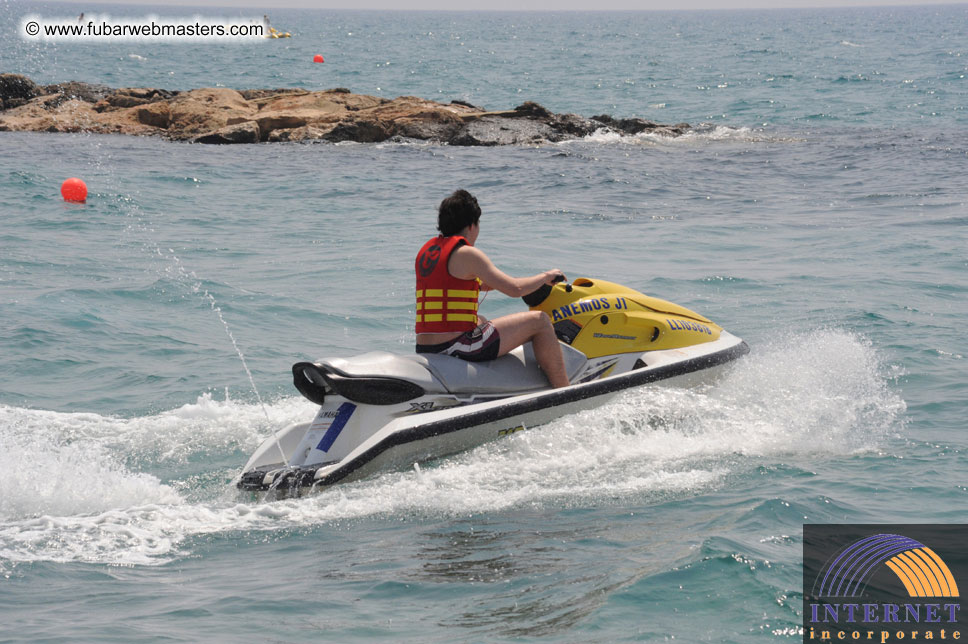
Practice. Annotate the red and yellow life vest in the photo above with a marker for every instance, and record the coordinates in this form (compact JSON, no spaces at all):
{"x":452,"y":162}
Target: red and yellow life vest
{"x":445,"y":304}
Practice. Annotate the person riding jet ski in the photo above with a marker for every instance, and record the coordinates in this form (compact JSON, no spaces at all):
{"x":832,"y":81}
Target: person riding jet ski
{"x":451,"y":271}
{"x":471,"y":381}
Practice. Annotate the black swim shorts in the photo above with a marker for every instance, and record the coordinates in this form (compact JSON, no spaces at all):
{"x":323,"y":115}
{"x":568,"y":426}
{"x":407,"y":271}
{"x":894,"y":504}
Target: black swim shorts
{"x":477,"y":345}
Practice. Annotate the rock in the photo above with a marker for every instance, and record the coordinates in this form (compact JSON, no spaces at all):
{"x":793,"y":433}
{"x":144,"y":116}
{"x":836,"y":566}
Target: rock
{"x":305,"y":133}
{"x":219,"y":115}
{"x":255,"y":94}
{"x":203,"y":111}
{"x":87,"y":92}
{"x":145,"y":93}
{"x":532,"y":109}
{"x":45,"y":114}
{"x":573,"y":125}
{"x":362,"y":131}
{"x":466,"y":104}
{"x":246,"y":132}
{"x":626,"y":126}
{"x":155,"y":115}
{"x":132,"y":97}
{"x":283,"y":120}
{"x":123,"y":101}
{"x":16,"y":90}
{"x":430,"y":128}
{"x":491,"y":130}
{"x":319,"y":109}
{"x":417,"y":118}
{"x":403,"y":107}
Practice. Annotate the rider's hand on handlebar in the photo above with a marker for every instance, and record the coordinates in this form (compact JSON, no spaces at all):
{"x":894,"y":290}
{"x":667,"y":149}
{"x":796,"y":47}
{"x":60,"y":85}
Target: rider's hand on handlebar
{"x":554,"y":276}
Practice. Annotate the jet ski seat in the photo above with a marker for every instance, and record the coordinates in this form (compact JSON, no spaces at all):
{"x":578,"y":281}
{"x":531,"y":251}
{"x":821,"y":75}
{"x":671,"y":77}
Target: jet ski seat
{"x":383,"y":378}
{"x":516,"y":372}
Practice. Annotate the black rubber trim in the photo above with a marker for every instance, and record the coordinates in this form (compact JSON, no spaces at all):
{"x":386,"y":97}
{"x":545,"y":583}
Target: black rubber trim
{"x":314,"y":382}
{"x":535,"y":298}
{"x":374,"y":390}
{"x":309,"y":381}
{"x":551,"y":399}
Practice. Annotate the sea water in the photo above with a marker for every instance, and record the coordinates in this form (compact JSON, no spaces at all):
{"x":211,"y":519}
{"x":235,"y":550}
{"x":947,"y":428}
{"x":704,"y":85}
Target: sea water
{"x":818,"y":211}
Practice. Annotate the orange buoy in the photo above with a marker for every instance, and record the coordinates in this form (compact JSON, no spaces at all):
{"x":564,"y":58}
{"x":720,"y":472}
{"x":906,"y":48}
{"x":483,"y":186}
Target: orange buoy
{"x":74,"y":189}
{"x":318,"y":58}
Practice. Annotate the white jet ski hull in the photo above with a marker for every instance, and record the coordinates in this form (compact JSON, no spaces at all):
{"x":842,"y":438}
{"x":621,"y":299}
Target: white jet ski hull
{"x":349,"y":440}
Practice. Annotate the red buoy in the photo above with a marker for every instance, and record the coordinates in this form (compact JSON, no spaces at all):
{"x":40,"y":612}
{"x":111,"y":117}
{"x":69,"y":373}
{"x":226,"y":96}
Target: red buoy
{"x":74,"y":189}
{"x":318,"y":58}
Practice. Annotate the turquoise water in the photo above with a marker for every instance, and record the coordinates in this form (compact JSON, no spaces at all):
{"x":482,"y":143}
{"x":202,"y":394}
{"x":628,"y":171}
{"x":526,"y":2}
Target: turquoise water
{"x":820,"y":214}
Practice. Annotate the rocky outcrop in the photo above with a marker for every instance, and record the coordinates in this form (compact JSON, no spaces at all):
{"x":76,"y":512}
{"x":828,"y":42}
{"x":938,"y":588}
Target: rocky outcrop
{"x":220,"y":115}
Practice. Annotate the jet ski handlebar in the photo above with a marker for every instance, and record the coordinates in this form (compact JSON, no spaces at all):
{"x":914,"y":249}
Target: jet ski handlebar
{"x":538,"y":296}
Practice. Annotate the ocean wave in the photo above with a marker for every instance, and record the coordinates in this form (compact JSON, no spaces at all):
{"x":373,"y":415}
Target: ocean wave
{"x":608,"y":136}
{"x":704,"y":133}
{"x":170,"y":437}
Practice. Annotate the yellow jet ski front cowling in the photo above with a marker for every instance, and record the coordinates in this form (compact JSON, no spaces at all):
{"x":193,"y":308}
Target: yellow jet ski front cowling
{"x":604,"y":318}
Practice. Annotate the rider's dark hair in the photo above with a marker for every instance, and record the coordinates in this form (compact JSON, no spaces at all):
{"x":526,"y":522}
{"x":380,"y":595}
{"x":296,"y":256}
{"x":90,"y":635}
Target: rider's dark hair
{"x":457,"y":212}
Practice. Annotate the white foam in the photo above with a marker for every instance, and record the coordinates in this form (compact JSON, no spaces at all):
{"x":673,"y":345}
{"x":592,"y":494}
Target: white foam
{"x":700,"y":134}
{"x":170,"y":436}
{"x":78,"y":463}
{"x":603,"y":135}
{"x":794,"y":398}
{"x":822,"y":392}
{"x":722,"y":133}
{"x":42,"y":475}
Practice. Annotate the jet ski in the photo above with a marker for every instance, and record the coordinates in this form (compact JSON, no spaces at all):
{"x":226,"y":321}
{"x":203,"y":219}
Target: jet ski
{"x":382,"y":411}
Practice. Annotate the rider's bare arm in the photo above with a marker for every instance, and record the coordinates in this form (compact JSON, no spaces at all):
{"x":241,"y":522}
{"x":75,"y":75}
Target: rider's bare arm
{"x":468,"y":262}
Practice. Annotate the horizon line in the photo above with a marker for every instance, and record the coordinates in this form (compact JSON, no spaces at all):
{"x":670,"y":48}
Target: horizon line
{"x":750,"y":5}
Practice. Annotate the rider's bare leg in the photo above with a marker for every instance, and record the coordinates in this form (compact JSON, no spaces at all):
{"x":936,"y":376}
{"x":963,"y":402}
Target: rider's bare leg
{"x":518,"y":328}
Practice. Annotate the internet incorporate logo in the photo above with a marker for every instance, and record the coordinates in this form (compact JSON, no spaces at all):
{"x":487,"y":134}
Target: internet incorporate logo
{"x":870,"y":583}
{"x":919,"y":568}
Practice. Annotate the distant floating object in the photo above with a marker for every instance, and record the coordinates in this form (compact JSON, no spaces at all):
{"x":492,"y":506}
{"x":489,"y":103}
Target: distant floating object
{"x":74,"y":189}
{"x":274,"y":33}
{"x":318,"y":58}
